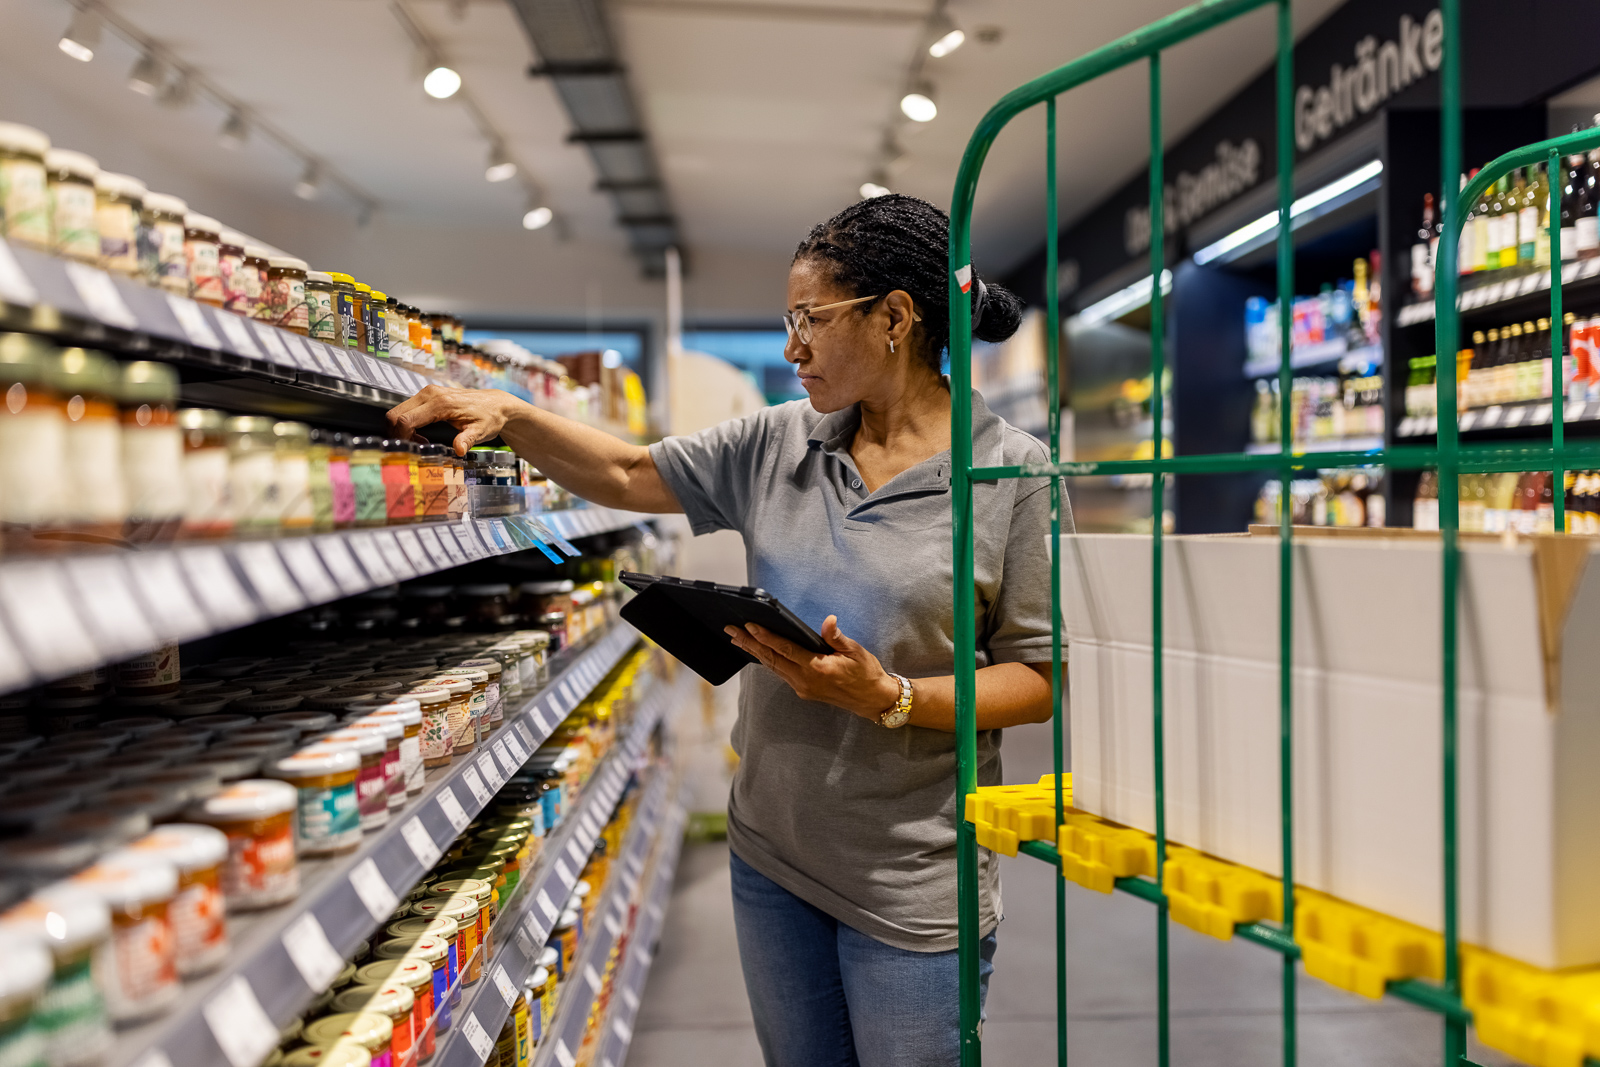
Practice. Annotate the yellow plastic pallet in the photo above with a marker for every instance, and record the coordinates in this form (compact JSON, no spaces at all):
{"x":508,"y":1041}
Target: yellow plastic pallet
{"x":1007,"y":815}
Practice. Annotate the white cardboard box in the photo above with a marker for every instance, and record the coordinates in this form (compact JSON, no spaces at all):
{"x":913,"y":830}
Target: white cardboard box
{"x":1367,"y":720}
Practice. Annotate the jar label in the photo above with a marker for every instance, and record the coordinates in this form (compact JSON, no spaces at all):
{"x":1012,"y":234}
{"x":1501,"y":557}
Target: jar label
{"x":399,"y":495}
{"x":321,"y":318}
{"x":73,"y":215}
{"x":32,"y":440}
{"x":198,"y":922}
{"x":144,"y":964}
{"x":496,"y":711}
{"x":411,"y":769}
{"x":328,"y":815}
{"x":345,"y":327}
{"x":436,"y":734}
{"x":371,"y":502}
{"x":344,"y":493}
{"x":286,"y":303}
{"x":435,"y":488}
{"x":24,"y":202}
{"x":118,"y":224}
{"x":71,"y":1017}
{"x":261,"y":867}
{"x":205,"y":490}
{"x":205,"y":272}
{"x":235,"y":288}
{"x":172,"y":263}
{"x":156,"y":670}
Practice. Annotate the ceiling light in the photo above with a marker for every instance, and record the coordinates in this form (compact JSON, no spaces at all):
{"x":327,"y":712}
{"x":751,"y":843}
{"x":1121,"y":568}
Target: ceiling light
{"x":918,"y":104}
{"x":1254,"y":234}
{"x":147,"y":75}
{"x":82,"y":36}
{"x":872,"y":189}
{"x":310,"y":183}
{"x":178,"y":92}
{"x":441,"y":83}
{"x":235,"y":131}
{"x":1123,"y":301}
{"x":947,"y":37}
{"x":501,"y":168}
{"x":537,"y":218}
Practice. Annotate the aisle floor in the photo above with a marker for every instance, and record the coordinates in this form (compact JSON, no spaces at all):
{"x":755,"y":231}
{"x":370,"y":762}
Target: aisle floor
{"x":1225,"y":996}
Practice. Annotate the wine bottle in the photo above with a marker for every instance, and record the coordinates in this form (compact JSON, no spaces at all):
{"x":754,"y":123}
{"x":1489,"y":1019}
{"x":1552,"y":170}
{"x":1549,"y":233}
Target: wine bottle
{"x":1421,"y":256}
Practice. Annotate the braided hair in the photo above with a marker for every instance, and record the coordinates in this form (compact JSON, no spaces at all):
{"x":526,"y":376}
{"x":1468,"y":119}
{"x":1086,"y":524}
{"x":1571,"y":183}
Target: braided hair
{"x":884,"y":243}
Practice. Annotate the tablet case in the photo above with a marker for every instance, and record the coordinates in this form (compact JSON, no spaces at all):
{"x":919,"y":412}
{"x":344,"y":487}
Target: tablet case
{"x":686,"y":618}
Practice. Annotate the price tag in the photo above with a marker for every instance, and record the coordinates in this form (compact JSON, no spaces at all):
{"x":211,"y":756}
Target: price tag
{"x":373,"y":890}
{"x":99,"y":294}
{"x":336,"y":360}
{"x":415,"y":553}
{"x":274,"y":588}
{"x":569,"y":693}
{"x":503,"y":754}
{"x":563,"y":874}
{"x":527,"y":737}
{"x":546,"y":906}
{"x":630,"y":998}
{"x":452,"y":545}
{"x":193,"y":322}
{"x":591,"y":976}
{"x":238,"y":335}
{"x":563,"y":1054}
{"x":15,"y":288}
{"x":490,"y":771}
{"x":272,"y":343}
{"x":110,"y":610}
{"x":641,"y":955}
{"x":160,"y":586}
{"x":36,"y":598}
{"x":621,"y":1029}
{"x":240,"y":1026}
{"x":452,"y":809}
{"x":300,"y":352}
{"x":525,"y":943}
{"x":475,"y":785}
{"x":335,"y":554}
{"x":530,"y":924}
{"x":467,"y":537}
{"x":544,"y":724}
{"x":1515,"y":416}
{"x":502,"y":982}
{"x":518,"y":753}
{"x":422,"y":843}
{"x":502,"y":537}
{"x":396,"y":559}
{"x":434,"y":547}
{"x":477,"y":1037}
{"x":311,"y":953}
{"x":366,"y":550}
{"x":613,"y":925}
{"x":309,"y":573}
{"x":591,"y":825}
{"x":655,"y":911}
{"x":219,"y":592}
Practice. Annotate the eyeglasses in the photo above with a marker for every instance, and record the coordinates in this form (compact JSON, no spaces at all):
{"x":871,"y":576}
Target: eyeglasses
{"x":799,"y":324}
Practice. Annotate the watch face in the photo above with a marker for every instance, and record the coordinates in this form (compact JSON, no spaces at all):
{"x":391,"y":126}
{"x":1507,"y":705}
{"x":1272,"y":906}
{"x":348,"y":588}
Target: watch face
{"x":892,"y":719}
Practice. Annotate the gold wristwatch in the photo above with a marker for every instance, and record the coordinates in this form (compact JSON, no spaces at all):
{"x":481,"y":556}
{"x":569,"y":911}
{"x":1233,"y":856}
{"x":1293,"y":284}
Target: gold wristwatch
{"x":901,"y":712}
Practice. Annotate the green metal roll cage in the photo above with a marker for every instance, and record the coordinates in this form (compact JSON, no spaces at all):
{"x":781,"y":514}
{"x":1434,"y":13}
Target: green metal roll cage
{"x":1448,"y":456}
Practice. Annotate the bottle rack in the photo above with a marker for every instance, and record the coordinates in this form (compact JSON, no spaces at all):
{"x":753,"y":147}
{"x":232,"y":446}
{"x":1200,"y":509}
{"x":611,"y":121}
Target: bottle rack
{"x":283,"y":957}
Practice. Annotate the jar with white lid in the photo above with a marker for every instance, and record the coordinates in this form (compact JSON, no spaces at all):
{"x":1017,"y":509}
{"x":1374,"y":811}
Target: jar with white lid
{"x":199,"y":915}
{"x":286,"y":294}
{"x":349,"y":1055}
{"x":393,"y":732}
{"x":202,"y":253}
{"x":257,"y":814}
{"x":416,"y":974}
{"x":152,"y":454}
{"x":322,"y":316}
{"x":327,"y":813}
{"x":493,"y":697}
{"x":364,"y":1029}
{"x":90,"y":469}
{"x":74,"y":231}
{"x":372,"y":788}
{"x":75,"y":927}
{"x":142,"y":981}
{"x":119,"y":201}
{"x":23,"y":981}
{"x":206,"y":508}
{"x":24,"y":187}
{"x":164,"y":262}
{"x":252,"y":475}
{"x":409,"y":713}
{"x":478,"y":700}
{"x":394,"y":1001}
{"x":434,"y":739}
{"x":257,"y":265}
{"x":294,"y":475}
{"x":230,"y":267}
{"x":463,"y":729}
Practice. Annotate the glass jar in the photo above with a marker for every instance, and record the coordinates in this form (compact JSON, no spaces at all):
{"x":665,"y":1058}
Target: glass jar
{"x":488,"y":606}
{"x":342,"y":489}
{"x":364,"y":1029}
{"x":322,"y":314}
{"x":394,"y":322}
{"x":257,"y":267}
{"x":119,"y":200}
{"x":407,"y":711}
{"x":463,"y":728}
{"x":33,"y":431}
{"x":456,"y":466}
{"x":415,"y":928}
{"x":198,"y":853}
{"x":378,"y":323}
{"x":416,"y":975}
{"x":149,"y":678}
{"x":295,"y":511}
{"x":435,"y":953}
{"x":24,"y":186}
{"x":319,"y":448}
{"x":372,"y":786}
{"x":492,"y":693}
{"x":141,"y":980}
{"x":344,"y":308}
{"x":152,"y":451}
{"x":286,"y":294}
{"x":434,"y":483}
{"x":165,"y":264}
{"x":252,"y":474}
{"x":363,"y":316}
{"x":75,"y":927}
{"x":202,"y":251}
{"x":414,"y":332}
{"x":258,"y":816}
{"x":435,"y":737}
{"x":395,"y":1002}
{"x":91,"y":467}
{"x":399,"y":481}
{"x":470,"y":920}
{"x":436,"y":324}
{"x":478,"y":699}
{"x":205,"y":474}
{"x":367,"y":477}
{"x":73,"y":229}
{"x":328,"y":812}
{"x":230,"y":267}
{"x":393,"y":732}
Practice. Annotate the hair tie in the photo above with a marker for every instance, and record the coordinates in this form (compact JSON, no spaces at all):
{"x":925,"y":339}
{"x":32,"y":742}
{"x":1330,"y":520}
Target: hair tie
{"x":978,"y":299}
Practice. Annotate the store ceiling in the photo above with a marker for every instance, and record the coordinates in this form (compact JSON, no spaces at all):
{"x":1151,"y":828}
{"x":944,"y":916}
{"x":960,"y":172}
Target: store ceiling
{"x":765,"y":115}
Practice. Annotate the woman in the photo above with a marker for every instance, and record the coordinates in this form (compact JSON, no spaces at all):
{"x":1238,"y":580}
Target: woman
{"x":841,"y":818}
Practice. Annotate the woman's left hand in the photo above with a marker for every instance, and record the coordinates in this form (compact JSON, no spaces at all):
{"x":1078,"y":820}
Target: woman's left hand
{"x":850,"y":677}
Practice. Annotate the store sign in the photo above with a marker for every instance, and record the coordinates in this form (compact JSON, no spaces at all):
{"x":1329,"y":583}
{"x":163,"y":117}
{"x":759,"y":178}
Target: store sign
{"x":1234,"y":169}
{"x":1380,"y":71}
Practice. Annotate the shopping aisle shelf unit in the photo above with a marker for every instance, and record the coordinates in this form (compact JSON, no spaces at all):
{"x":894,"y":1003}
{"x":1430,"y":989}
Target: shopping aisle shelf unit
{"x":285,"y":956}
{"x":1536,"y":1015}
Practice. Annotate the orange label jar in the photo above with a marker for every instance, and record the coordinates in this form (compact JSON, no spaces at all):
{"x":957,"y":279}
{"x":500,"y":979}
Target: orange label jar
{"x":434,"y":473}
{"x":364,"y":1029}
{"x":399,"y":482}
{"x":394,"y":1002}
{"x":257,"y":815}
{"x":199,"y":917}
{"x":142,"y":979}
{"x":466,"y":919}
{"x":416,"y":975}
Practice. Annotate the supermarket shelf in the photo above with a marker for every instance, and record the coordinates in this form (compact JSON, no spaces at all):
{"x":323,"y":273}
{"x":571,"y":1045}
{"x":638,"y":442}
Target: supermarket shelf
{"x":1318,"y":355}
{"x":70,"y":612}
{"x":282,"y":957}
{"x":1501,"y":417}
{"x":1331,"y":444}
{"x":1490,"y":294}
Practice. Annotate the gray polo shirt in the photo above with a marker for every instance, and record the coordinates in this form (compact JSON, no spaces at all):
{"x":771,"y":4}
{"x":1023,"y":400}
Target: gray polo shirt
{"x":851,"y":817}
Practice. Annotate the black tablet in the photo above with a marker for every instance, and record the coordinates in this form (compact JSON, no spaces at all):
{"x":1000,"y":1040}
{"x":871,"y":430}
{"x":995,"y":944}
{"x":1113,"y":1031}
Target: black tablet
{"x":686,"y":618}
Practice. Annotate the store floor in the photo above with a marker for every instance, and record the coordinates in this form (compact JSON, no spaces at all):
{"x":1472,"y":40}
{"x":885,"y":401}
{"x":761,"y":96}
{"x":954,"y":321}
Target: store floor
{"x":1225,"y":997}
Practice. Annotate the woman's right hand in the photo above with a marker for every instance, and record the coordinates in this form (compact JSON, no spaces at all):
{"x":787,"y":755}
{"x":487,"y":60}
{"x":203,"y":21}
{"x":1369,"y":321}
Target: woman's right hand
{"x":478,"y":414}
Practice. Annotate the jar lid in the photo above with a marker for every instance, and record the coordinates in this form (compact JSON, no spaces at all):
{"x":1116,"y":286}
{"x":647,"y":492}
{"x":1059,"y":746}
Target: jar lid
{"x":407,"y":713}
{"x":76,"y":164}
{"x":153,"y":801}
{"x":538,"y":978}
{"x":44,"y":858}
{"x":162,"y":204}
{"x":429,"y":694}
{"x":105,"y":829}
{"x":206,"y":420}
{"x":475,"y":888}
{"x":84,"y":747}
{"x":548,"y":958}
{"x":367,"y":1029}
{"x":225,"y":723}
{"x":346,"y":1055}
{"x":15,"y":137}
{"x":125,"y":879}
{"x":28,"y":967}
{"x":268,"y":703}
{"x":147,"y":382}
{"x":62,"y":917}
{"x":490,"y":666}
{"x":385,"y":998}
{"x":487,"y":589}
{"x":417,"y":925}
{"x":461,"y":908}
{"x":27,"y":806}
{"x":233,"y":239}
{"x":250,"y":798}
{"x":411,"y":973}
{"x":471,"y":674}
{"x":229,"y":766}
{"x":187,"y":846}
{"x":286,"y":263}
{"x":454,"y":686}
{"x":139,"y":726}
{"x":195,"y":782}
{"x":429,"y":948}
{"x":317,"y":759}
{"x":263,"y":732}
{"x":123,"y":185}
{"x":306,"y":722}
{"x":382,"y":298}
{"x":387,"y":726}
{"x":203,"y":223}
{"x":318,"y":276}
{"x":172,"y":745}
{"x":366,"y":742}
{"x":256,"y":252}
{"x":362,"y":287}
{"x":341,"y":277}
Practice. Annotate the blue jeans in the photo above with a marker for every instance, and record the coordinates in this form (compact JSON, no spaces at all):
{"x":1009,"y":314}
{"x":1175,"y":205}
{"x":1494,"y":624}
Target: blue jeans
{"x":826,"y":995}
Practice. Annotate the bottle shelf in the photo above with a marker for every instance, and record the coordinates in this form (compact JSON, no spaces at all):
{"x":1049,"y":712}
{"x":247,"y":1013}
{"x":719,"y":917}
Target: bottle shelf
{"x":1318,"y":355}
{"x":70,"y":612}
{"x":1501,"y":417}
{"x":1326,"y":444}
{"x":1495,"y":291}
{"x":280,"y":957}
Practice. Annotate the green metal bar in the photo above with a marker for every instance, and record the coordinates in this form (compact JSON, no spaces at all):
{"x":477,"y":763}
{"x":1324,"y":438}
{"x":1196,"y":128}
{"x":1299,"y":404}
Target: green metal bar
{"x":1271,"y":937}
{"x":1143,"y":888}
{"x":1052,"y":349}
{"x":1434,"y":998}
{"x":1041,"y":850}
{"x":1558,"y":386}
{"x":1158,"y":367}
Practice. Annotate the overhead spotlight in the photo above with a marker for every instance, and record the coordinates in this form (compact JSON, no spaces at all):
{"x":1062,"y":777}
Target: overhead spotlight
{"x":918,"y":105}
{"x":310,"y":183}
{"x":441,"y":82}
{"x":235,"y":131}
{"x":82,"y":36}
{"x":501,"y":168}
{"x":177,"y":93}
{"x":537,"y":218}
{"x":947,"y":37}
{"x":872,"y":189}
{"x":147,"y":75}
